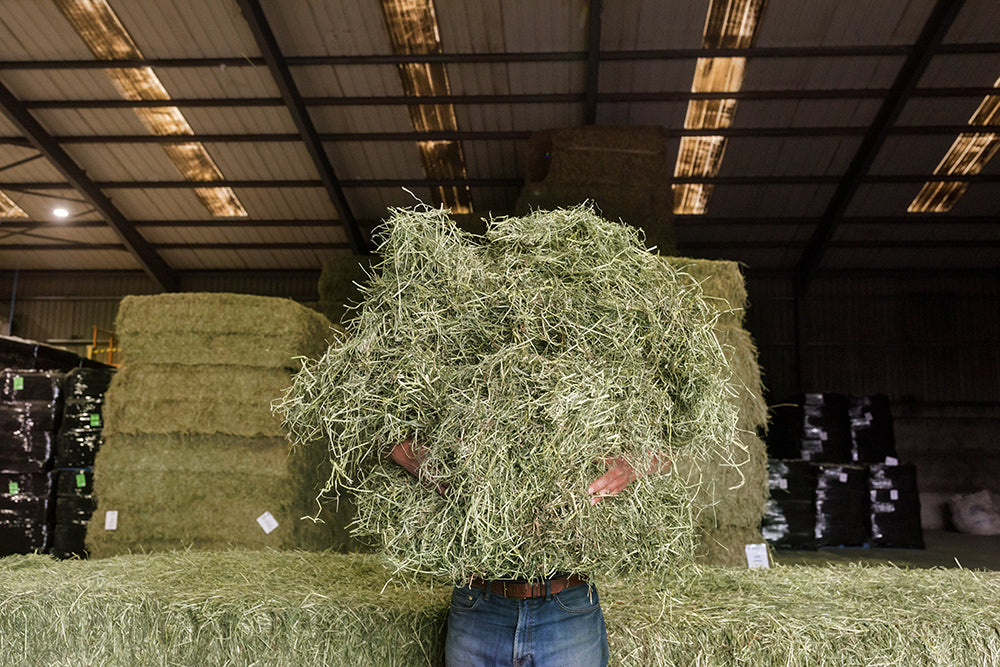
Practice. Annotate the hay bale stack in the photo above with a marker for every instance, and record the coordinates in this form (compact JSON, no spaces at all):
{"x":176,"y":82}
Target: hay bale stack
{"x":339,"y":287}
{"x":623,"y":170}
{"x":192,"y":454}
{"x":296,"y":608}
{"x":736,"y":496}
{"x":522,"y":361}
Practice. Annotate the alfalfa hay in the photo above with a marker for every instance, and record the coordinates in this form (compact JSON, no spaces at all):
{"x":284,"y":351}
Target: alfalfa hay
{"x":204,"y":399}
{"x":218,"y":329}
{"x":294,"y":608}
{"x":193,"y":456}
{"x":522,"y":361}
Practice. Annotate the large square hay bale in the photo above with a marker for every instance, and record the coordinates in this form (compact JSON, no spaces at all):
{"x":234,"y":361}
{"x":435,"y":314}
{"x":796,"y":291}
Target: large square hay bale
{"x":218,"y":328}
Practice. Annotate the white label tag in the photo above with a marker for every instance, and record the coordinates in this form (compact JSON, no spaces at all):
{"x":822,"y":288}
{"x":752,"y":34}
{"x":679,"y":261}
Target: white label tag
{"x":894,"y":494}
{"x":111,"y":520}
{"x":782,"y":483}
{"x":757,"y":556}
{"x":267,"y":522}
{"x":891,"y":461}
{"x":843,"y":478}
{"x":874,"y":494}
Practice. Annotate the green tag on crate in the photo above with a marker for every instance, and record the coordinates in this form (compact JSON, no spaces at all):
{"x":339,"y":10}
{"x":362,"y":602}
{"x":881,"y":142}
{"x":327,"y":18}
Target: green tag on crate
{"x":13,"y":488}
{"x":95,"y":420}
{"x":18,"y":383}
{"x":81,"y":480}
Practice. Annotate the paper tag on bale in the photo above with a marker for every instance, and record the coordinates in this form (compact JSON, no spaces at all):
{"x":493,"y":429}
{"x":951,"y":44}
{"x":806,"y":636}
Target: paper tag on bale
{"x":111,"y":520}
{"x":267,"y":522}
{"x":757,"y":556}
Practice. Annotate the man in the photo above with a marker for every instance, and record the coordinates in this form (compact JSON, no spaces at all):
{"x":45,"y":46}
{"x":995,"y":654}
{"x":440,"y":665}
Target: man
{"x":556,"y":622}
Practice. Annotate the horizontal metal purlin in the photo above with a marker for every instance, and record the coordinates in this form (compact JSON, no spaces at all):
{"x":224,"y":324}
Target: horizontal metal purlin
{"x":505,"y":135}
{"x":512,"y":57}
{"x":541,"y":98}
{"x":680,"y":221}
{"x":790,"y":179}
{"x":777,"y":244}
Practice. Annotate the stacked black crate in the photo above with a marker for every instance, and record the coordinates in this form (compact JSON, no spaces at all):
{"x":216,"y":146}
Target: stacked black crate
{"x":31,"y":403}
{"x":76,"y":445}
{"x":814,"y":430}
{"x":841,"y":505}
{"x":892,"y":487}
{"x":790,"y":514}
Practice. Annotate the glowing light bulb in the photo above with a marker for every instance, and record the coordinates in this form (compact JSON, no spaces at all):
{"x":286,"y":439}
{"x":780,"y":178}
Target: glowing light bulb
{"x":60,"y":213}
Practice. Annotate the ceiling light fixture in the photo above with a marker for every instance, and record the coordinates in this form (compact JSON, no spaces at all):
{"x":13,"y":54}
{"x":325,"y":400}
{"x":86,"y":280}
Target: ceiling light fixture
{"x":413,"y":29}
{"x":729,"y":24}
{"x":967,"y":156}
{"x":106,"y":37}
{"x":60,"y":213}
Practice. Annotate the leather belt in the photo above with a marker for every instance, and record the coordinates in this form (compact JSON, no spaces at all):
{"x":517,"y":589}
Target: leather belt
{"x":520,"y":589}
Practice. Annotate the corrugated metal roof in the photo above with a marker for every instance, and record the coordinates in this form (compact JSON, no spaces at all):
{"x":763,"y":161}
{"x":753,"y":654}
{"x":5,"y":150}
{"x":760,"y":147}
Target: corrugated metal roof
{"x":809,"y":106}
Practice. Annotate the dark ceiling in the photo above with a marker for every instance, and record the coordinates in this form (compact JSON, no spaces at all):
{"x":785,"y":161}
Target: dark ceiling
{"x":235,"y":135}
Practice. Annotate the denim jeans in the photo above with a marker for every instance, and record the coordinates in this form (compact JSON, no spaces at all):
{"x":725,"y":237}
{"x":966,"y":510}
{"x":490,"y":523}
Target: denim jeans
{"x":564,"y":630}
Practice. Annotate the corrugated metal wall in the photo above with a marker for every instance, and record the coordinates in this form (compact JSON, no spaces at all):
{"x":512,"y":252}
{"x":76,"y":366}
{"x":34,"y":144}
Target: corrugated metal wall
{"x":914,"y":339}
{"x":932,"y":345}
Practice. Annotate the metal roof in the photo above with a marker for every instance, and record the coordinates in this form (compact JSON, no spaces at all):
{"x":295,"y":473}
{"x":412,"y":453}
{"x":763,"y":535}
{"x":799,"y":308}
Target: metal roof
{"x":846,"y":108}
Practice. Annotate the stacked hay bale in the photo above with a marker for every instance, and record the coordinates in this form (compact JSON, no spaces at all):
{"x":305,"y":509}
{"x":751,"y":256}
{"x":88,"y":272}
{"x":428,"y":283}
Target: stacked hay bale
{"x":522,"y":362}
{"x":192,"y":456}
{"x":622,"y":169}
{"x":735,"y":497}
{"x":340,"y":286}
{"x":306,"y":609}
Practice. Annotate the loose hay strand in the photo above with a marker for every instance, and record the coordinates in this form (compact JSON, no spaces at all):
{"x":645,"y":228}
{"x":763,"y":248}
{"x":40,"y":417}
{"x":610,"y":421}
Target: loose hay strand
{"x":521,"y":361}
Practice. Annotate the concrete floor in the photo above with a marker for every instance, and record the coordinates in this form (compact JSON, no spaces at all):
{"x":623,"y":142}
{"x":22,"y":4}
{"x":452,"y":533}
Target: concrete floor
{"x":942,"y":549}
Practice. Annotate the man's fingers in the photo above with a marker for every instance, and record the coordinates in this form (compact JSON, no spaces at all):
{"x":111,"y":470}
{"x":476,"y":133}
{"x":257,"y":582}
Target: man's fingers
{"x":618,"y":476}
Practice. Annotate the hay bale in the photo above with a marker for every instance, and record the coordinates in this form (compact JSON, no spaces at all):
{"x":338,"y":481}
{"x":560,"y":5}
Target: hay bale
{"x":192,"y":453}
{"x":294,"y":608}
{"x":174,"y":491}
{"x":218,"y":328}
{"x":177,"y":398}
{"x":522,"y":362}
{"x":736,"y":496}
{"x":624,"y":171}
{"x":339,"y":286}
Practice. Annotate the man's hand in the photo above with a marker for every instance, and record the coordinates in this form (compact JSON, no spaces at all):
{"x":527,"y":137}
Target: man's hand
{"x":619,"y":475}
{"x":410,"y":456}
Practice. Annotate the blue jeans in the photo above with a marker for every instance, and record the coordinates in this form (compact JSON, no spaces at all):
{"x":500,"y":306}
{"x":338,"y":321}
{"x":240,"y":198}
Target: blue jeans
{"x":564,"y":630}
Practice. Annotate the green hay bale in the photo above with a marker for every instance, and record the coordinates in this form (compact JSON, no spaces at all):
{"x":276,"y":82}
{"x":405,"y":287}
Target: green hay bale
{"x":236,"y":608}
{"x":295,"y":608}
{"x":722,"y":282}
{"x":206,"y":492}
{"x":339,"y":286}
{"x":736,"y":496}
{"x":623,"y":170}
{"x":521,"y":362}
{"x":218,"y":328}
{"x":175,"y":398}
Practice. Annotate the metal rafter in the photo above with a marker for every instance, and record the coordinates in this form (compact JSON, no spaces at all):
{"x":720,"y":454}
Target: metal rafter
{"x":935,"y":28}
{"x":143,"y":252}
{"x":261,"y":29}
